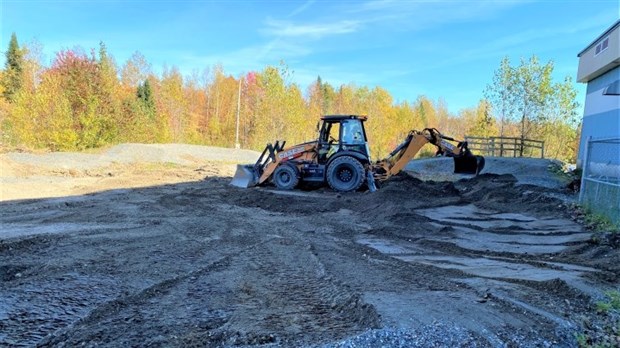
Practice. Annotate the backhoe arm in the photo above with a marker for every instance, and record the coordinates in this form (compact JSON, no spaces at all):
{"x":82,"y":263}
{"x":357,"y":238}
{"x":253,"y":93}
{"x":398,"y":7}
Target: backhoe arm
{"x":400,"y":156}
{"x":464,"y":161}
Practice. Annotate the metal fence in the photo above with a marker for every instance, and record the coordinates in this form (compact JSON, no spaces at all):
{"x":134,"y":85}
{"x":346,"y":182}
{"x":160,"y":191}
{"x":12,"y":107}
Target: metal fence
{"x":506,"y":146}
{"x":600,"y":179}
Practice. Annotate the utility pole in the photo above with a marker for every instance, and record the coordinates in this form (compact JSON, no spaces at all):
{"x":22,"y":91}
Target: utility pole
{"x":237,"y":145}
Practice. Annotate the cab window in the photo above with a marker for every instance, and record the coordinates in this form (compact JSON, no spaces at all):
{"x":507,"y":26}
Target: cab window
{"x":352,"y":133}
{"x":333,"y":133}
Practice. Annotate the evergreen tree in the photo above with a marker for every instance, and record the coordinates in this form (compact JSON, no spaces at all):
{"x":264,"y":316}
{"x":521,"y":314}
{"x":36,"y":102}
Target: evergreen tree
{"x":145,"y":95}
{"x":13,"y":68}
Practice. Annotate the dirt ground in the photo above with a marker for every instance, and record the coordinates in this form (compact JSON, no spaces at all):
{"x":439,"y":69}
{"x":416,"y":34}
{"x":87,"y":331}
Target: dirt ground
{"x":99,"y":252}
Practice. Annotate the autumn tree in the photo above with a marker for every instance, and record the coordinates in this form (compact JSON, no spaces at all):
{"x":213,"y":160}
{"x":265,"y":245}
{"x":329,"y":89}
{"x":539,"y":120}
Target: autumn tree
{"x":325,"y":95}
{"x":251,"y":95}
{"x":12,"y":77}
{"x":135,"y":71}
{"x":300,"y":124}
{"x":172,"y":105}
{"x":426,"y":115}
{"x":222,"y":93}
{"x":84,"y":101}
{"x":270,"y":108}
{"x":316,"y":103}
{"x":110,"y":95}
{"x":344,"y":99}
{"x":44,"y":118}
{"x":383,"y":127}
{"x":479,"y":121}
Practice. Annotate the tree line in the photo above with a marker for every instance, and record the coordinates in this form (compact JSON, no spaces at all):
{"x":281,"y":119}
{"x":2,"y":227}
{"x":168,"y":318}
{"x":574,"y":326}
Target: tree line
{"x":85,"y":100}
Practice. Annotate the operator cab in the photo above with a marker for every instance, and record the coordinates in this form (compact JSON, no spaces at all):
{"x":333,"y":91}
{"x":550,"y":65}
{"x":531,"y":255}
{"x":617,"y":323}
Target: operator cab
{"x":342,"y":133}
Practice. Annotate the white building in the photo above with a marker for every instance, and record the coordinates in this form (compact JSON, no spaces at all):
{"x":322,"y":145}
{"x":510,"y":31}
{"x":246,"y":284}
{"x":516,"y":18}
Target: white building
{"x":599,"y":67}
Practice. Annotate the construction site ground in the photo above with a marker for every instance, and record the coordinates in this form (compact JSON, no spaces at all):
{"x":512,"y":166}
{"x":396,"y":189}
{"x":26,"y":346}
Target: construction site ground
{"x":149,"y":245}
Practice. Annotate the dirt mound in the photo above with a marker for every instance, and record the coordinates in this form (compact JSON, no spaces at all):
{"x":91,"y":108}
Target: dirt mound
{"x":405,"y":184}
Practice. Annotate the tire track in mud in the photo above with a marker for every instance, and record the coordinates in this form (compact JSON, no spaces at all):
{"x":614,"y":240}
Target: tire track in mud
{"x":287,"y":293}
{"x":407,"y":245}
{"x":505,"y":252}
{"x":250,"y":297}
{"x":81,"y":330}
{"x":175,"y":310}
{"x":412,"y":295}
{"x":41,"y":298}
{"x":31,"y":312}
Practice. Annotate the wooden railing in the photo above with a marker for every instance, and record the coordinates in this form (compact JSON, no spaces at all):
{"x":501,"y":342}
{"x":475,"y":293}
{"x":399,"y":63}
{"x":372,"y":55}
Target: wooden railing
{"x":506,"y":146}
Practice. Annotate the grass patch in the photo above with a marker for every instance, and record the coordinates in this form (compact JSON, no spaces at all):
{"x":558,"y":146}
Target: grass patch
{"x":602,"y":330}
{"x":612,"y":303}
{"x":599,"y":222}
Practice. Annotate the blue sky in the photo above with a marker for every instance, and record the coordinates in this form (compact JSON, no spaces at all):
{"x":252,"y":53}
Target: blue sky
{"x":446,"y":49}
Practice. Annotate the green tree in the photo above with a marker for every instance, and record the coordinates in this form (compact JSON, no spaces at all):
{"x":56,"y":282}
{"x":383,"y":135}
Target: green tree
{"x":533,"y":89}
{"x":13,"y":68}
{"x":499,"y":93}
{"x":561,"y":126}
{"x":527,"y":96}
{"x":144,"y":93}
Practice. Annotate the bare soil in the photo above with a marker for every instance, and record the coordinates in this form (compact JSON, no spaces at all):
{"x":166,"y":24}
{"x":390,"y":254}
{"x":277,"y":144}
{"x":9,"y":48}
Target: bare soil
{"x":140,"y":253}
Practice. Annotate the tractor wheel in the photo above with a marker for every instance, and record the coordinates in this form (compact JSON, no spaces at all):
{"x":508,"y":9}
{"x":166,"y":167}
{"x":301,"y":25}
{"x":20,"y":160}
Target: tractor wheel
{"x":345,"y":174}
{"x":285,"y":177}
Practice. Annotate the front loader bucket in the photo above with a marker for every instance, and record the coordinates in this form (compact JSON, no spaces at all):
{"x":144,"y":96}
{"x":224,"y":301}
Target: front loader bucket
{"x":468,"y":164}
{"x":245,"y":176}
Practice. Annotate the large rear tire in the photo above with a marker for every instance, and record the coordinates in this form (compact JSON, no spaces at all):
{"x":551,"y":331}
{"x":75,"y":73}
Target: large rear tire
{"x":345,"y":174}
{"x":285,"y":177}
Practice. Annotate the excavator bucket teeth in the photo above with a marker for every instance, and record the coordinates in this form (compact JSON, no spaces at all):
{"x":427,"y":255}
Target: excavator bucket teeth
{"x":468,"y":164}
{"x":245,"y":176}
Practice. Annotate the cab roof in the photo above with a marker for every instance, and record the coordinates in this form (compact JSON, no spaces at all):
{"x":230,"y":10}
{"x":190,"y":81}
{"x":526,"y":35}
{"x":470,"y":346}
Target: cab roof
{"x":344,"y":117}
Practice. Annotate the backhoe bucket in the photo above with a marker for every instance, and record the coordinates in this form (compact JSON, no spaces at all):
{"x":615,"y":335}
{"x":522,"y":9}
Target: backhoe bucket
{"x":245,"y":176}
{"x":468,"y":164}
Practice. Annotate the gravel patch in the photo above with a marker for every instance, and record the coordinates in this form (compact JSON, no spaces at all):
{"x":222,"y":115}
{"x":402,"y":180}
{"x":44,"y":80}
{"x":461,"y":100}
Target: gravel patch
{"x":440,"y":334}
{"x":181,"y":154}
{"x":528,"y":171}
{"x":433,"y":335}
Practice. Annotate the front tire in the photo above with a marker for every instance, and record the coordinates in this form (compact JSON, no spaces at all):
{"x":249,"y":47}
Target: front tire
{"x":285,"y":177}
{"x":345,"y":174}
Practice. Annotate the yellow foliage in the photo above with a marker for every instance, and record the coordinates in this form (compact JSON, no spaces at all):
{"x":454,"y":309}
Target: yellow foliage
{"x":203,"y":110}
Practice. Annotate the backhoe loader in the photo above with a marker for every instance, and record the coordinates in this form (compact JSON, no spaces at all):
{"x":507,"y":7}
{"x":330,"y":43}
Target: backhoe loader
{"x":340,"y":157}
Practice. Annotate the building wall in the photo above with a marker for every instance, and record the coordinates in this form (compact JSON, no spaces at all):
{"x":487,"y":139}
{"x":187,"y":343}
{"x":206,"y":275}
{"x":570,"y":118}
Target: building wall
{"x":601,"y":116}
{"x":591,"y":65}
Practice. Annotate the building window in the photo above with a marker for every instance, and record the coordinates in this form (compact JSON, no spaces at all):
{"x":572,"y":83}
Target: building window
{"x":613,"y":88}
{"x":601,"y":46}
